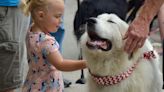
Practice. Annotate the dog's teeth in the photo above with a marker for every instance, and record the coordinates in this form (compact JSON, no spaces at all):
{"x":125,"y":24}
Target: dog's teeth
{"x":99,"y":44}
{"x":104,"y":46}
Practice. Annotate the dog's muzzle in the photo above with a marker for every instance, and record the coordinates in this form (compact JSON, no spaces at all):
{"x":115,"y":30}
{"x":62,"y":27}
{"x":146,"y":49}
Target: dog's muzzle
{"x":96,"y":42}
{"x":102,"y":44}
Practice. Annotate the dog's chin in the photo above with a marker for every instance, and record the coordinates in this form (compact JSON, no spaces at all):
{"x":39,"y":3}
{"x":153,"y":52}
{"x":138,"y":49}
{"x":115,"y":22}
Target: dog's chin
{"x":104,"y":45}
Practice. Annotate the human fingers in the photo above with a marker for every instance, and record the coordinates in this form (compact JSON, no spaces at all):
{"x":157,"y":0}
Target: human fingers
{"x":142,"y":37}
{"x":134,"y":45}
{"x":132,"y":37}
{"x":128,"y":43}
{"x":125,"y":36}
{"x":141,"y":43}
{"x":137,"y":41}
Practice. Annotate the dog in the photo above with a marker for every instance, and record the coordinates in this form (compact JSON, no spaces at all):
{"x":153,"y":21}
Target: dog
{"x":110,"y":68}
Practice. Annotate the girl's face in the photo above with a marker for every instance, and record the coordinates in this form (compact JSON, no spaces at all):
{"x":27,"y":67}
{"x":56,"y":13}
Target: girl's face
{"x":52,"y":19}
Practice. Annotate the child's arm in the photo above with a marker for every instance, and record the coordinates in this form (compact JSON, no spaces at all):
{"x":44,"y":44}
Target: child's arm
{"x":56,"y":59}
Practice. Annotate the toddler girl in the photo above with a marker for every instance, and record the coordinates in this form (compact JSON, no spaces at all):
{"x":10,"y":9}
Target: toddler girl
{"x":45,"y":61}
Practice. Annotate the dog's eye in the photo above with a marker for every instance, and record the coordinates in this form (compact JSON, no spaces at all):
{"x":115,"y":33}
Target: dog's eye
{"x":111,"y":21}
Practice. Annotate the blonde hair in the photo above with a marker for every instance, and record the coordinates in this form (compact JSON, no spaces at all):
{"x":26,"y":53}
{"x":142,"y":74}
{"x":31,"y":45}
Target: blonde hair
{"x":31,"y":5}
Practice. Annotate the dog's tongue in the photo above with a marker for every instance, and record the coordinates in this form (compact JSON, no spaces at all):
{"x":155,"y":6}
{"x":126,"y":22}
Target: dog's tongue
{"x":99,"y":44}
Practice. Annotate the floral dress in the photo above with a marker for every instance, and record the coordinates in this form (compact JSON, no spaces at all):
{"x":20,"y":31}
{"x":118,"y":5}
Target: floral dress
{"x":42,"y":76}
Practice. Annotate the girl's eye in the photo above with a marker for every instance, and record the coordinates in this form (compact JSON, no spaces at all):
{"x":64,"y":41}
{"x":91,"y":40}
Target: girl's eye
{"x":57,"y":16}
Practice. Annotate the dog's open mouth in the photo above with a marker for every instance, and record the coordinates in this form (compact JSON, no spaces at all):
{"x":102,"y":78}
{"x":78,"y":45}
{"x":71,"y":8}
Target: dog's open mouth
{"x":97,"y":42}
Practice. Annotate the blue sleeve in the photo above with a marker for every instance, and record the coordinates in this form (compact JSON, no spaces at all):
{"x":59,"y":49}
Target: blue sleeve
{"x":9,"y":2}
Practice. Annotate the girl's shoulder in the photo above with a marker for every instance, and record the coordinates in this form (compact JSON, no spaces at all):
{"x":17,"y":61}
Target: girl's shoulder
{"x":42,"y":42}
{"x":34,"y":34}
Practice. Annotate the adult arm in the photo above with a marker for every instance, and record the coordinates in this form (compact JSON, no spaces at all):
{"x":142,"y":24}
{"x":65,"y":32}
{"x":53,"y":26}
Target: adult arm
{"x":161,"y":21}
{"x":139,"y":28}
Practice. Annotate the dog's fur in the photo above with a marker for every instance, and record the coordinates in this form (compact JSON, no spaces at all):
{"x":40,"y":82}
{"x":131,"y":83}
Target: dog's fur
{"x":113,"y":60}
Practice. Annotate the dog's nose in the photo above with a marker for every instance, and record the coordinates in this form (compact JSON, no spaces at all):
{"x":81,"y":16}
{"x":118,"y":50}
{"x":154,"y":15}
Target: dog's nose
{"x":91,"y":21}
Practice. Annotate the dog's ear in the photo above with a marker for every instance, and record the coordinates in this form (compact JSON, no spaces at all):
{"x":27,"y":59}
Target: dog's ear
{"x":79,"y":32}
{"x":123,"y":27}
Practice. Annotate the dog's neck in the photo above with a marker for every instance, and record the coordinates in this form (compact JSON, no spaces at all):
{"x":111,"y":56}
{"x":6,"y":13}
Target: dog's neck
{"x":115,"y":79}
{"x":104,"y":65}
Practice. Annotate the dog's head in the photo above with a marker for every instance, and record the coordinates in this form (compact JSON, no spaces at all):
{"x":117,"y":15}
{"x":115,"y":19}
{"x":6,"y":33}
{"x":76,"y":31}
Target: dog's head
{"x":93,"y":8}
{"x":103,"y":34}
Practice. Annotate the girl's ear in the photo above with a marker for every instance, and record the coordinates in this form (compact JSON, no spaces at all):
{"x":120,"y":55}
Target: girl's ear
{"x":40,"y":15}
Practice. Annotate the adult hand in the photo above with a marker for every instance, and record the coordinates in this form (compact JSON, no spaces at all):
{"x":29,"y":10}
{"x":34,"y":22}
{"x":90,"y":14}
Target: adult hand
{"x":136,"y":35}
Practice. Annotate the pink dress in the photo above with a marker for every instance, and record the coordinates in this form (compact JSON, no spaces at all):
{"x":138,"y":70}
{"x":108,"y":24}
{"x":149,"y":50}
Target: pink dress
{"x":42,"y":76}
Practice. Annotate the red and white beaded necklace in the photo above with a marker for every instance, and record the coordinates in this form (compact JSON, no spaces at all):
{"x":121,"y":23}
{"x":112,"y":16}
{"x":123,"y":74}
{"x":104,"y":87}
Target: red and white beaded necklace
{"x":111,"y":80}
